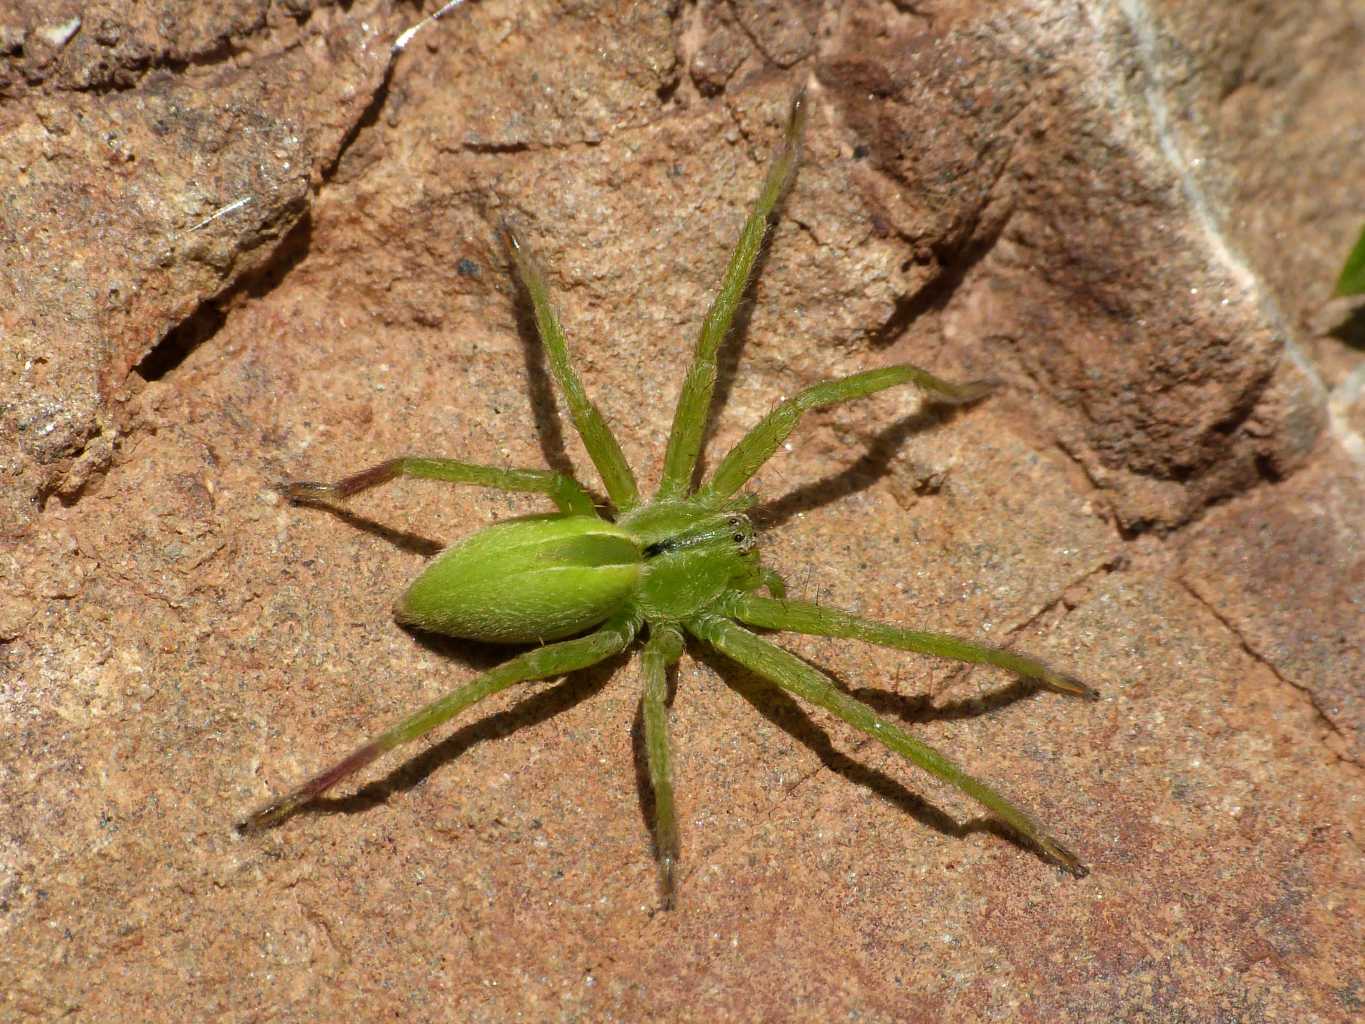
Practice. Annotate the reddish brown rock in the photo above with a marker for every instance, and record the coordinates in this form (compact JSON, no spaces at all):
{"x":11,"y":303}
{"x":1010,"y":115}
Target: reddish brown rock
{"x":1164,"y":497}
{"x":1284,"y":567}
{"x":135,"y":194}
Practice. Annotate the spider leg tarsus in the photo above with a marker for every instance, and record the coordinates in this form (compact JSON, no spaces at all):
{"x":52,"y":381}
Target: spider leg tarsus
{"x":268,"y":816}
{"x":1072,"y":685}
{"x":305,"y":492}
{"x":508,"y":234}
{"x":1062,"y":857}
{"x":972,"y":391}
{"x":668,"y":882}
{"x":1061,"y":682}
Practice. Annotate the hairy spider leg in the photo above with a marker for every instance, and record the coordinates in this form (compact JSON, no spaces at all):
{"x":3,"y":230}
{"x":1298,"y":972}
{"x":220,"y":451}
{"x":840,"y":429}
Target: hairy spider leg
{"x":758,"y":445}
{"x":817,"y":620}
{"x":565,"y":491}
{"x":603,"y":448}
{"x":694,"y":401}
{"x":551,"y":660}
{"x":809,"y":683}
{"x":663,"y":648}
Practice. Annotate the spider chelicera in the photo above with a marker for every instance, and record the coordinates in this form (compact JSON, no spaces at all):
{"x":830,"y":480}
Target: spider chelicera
{"x":583,"y":586}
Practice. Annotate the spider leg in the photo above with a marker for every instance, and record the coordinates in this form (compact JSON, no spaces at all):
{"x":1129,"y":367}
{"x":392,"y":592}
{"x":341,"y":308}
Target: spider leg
{"x":563,"y":490}
{"x":797,"y":677}
{"x":689,"y":419}
{"x":550,"y":660}
{"x":805,"y":617}
{"x":664,"y":646}
{"x":757,"y":446}
{"x":603,"y":448}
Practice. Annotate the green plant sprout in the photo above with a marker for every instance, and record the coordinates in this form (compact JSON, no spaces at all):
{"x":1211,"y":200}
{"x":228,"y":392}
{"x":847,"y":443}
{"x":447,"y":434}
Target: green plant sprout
{"x":684,"y":562}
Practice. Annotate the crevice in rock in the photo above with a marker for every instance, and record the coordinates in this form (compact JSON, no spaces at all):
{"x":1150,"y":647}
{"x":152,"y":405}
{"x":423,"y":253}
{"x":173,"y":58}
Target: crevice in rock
{"x":176,"y":344}
{"x":367,"y":119}
{"x":1261,"y":659}
{"x":1067,"y":599}
{"x":499,"y":147}
{"x":166,"y":356}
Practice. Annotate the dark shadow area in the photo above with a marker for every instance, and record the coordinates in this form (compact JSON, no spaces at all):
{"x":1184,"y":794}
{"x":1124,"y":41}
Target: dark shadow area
{"x":783,"y":711}
{"x":544,"y":409}
{"x":176,"y":344}
{"x":401,"y":539}
{"x":1351,"y":331}
{"x":956,"y":262}
{"x":920,"y":707}
{"x":291,"y":251}
{"x":369,"y":117}
{"x":473,"y":654}
{"x":533,"y":710}
{"x":736,"y":340}
{"x":870,"y":467}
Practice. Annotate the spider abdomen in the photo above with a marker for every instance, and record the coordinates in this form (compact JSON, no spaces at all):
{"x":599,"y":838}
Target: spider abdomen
{"x":526,"y":580}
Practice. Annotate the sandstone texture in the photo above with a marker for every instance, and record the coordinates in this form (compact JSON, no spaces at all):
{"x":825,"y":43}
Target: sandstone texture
{"x":247,"y":242}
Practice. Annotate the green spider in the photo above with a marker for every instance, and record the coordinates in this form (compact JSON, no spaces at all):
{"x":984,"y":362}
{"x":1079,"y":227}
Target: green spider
{"x":683,"y":562}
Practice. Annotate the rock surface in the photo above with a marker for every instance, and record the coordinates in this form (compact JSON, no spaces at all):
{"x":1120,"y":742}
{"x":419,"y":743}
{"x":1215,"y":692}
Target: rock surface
{"x":245,"y":244}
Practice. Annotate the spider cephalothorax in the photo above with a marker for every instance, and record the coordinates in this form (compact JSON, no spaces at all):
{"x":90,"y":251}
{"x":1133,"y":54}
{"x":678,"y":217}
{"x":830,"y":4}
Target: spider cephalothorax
{"x":583,"y":586}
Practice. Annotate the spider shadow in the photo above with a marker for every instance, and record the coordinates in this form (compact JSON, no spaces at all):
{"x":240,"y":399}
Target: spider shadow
{"x":539,"y":707}
{"x":920,"y":708}
{"x":414,"y":543}
{"x":731,"y":350}
{"x":783,"y":711}
{"x":545,"y":417}
{"x":544,"y":411}
{"x":873,"y":465}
